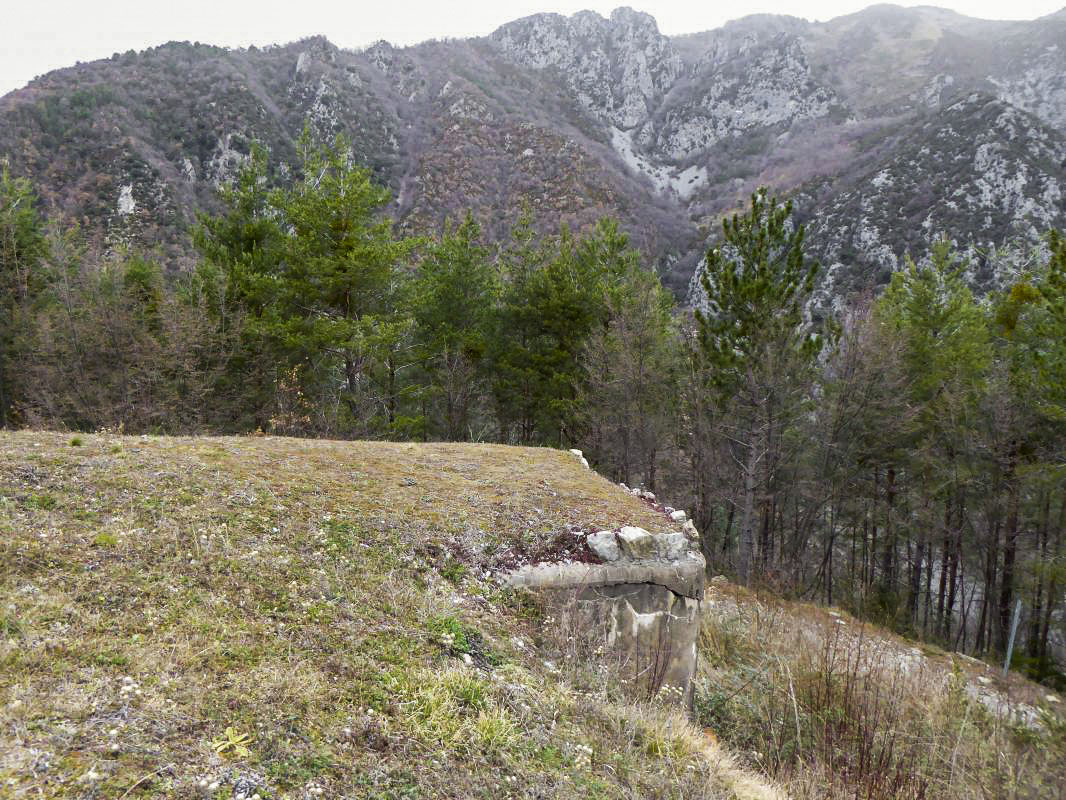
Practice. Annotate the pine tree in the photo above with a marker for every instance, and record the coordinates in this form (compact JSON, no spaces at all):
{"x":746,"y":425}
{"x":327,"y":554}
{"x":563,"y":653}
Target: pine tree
{"x":945,"y":353}
{"x":1051,"y":328}
{"x":239,"y":274}
{"x":22,"y":254}
{"x":756,"y":348}
{"x":313,"y":268}
{"x":454,"y":297}
{"x":336,"y":279}
{"x":628,"y":398}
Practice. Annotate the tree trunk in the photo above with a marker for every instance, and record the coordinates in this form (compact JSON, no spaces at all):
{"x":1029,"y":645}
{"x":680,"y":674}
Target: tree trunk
{"x":1033,"y":643}
{"x":391,"y":400}
{"x":1010,"y":550}
{"x":747,"y":519}
{"x":888,"y":576}
{"x":1052,"y":595}
{"x":945,"y":554}
{"x":982,"y":640}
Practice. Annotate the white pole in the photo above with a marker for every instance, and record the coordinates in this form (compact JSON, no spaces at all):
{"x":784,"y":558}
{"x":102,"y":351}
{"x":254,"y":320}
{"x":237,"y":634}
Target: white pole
{"x":1013,"y":631}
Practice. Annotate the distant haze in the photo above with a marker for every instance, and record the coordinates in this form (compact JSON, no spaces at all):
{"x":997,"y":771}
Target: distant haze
{"x":36,"y":38}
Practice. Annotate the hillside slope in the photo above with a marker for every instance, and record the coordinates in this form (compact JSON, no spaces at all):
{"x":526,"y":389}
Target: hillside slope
{"x":303,"y":619}
{"x":226,"y":617}
{"x":834,"y":707}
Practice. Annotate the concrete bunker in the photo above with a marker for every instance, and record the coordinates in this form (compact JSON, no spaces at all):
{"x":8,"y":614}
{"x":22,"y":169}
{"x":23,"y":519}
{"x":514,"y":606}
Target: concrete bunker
{"x":644,"y":600}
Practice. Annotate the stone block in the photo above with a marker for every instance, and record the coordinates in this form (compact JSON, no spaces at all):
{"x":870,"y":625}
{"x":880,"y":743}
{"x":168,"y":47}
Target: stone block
{"x":636,"y":543}
{"x":671,"y":546}
{"x":605,"y":545}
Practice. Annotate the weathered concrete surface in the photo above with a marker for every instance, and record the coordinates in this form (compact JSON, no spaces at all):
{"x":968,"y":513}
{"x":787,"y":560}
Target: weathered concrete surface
{"x":684,"y":577}
{"x":647,"y":609}
{"x":655,"y":628}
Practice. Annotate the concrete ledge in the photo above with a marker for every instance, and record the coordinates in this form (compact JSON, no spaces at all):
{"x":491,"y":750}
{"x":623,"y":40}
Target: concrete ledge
{"x":684,"y":577}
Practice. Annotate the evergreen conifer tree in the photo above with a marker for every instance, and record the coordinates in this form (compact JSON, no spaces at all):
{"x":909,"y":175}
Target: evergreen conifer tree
{"x":756,"y":347}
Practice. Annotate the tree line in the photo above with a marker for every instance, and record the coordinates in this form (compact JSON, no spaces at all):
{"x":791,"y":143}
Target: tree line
{"x":901,"y":456}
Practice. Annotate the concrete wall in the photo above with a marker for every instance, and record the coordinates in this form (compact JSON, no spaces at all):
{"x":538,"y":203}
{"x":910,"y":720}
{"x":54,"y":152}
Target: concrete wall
{"x":644,"y":603}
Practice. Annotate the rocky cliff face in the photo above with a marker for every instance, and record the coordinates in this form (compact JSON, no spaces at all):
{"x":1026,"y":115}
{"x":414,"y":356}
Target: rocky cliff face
{"x":890,"y":126}
{"x":618,"y":68}
{"x":887,"y":126}
{"x":979,"y":171}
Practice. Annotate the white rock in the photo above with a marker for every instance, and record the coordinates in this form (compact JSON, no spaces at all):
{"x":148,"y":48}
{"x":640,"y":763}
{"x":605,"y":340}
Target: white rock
{"x":648,"y":496}
{"x":636,"y":542}
{"x":671,"y":546}
{"x":605,"y":545}
{"x":678,"y":516}
{"x":584,"y":462}
{"x":126,"y":204}
{"x":690,"y":528}
{"x":575,"y":452}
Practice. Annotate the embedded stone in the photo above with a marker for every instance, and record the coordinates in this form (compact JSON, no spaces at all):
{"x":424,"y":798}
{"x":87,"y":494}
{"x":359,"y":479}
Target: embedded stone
{"x":690,"y":528}
{"x":678,"y":516}
{"x":636,"y":542}
{"x":605,"y":545}
{"x":671,"y":546}
{"x":576,"y":452}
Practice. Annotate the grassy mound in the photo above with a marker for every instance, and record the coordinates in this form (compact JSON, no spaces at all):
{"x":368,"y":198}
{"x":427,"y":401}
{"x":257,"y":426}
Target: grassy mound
{"x":290,"y":618}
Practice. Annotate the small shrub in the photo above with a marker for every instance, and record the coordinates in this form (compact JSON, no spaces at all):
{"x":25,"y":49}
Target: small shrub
{"x":450,"y":633}
{"x":458,"y":640}
{"x":233,"y":743}
{"x":454,"y":571}
{"x":9,"y":626}
{"x":42,"y":501}
{"x":495,"y":731}
{"x":76,"y":441}
{"x":105,"y":539}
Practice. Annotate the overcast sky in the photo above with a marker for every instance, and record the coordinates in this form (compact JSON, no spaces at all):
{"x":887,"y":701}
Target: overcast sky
{"x":36,"y":37}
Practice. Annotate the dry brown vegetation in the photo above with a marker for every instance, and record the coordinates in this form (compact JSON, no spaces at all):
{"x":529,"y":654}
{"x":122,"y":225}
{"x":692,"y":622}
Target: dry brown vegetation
{"x":835,"y":708}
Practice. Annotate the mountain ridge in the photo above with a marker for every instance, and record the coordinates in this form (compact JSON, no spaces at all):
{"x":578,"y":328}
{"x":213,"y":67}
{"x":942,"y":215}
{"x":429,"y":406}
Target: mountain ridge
{"x":573,"y":116}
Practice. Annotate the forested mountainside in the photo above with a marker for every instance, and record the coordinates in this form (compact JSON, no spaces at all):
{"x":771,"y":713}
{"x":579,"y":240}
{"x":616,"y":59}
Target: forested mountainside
{"x":888,"y":126}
